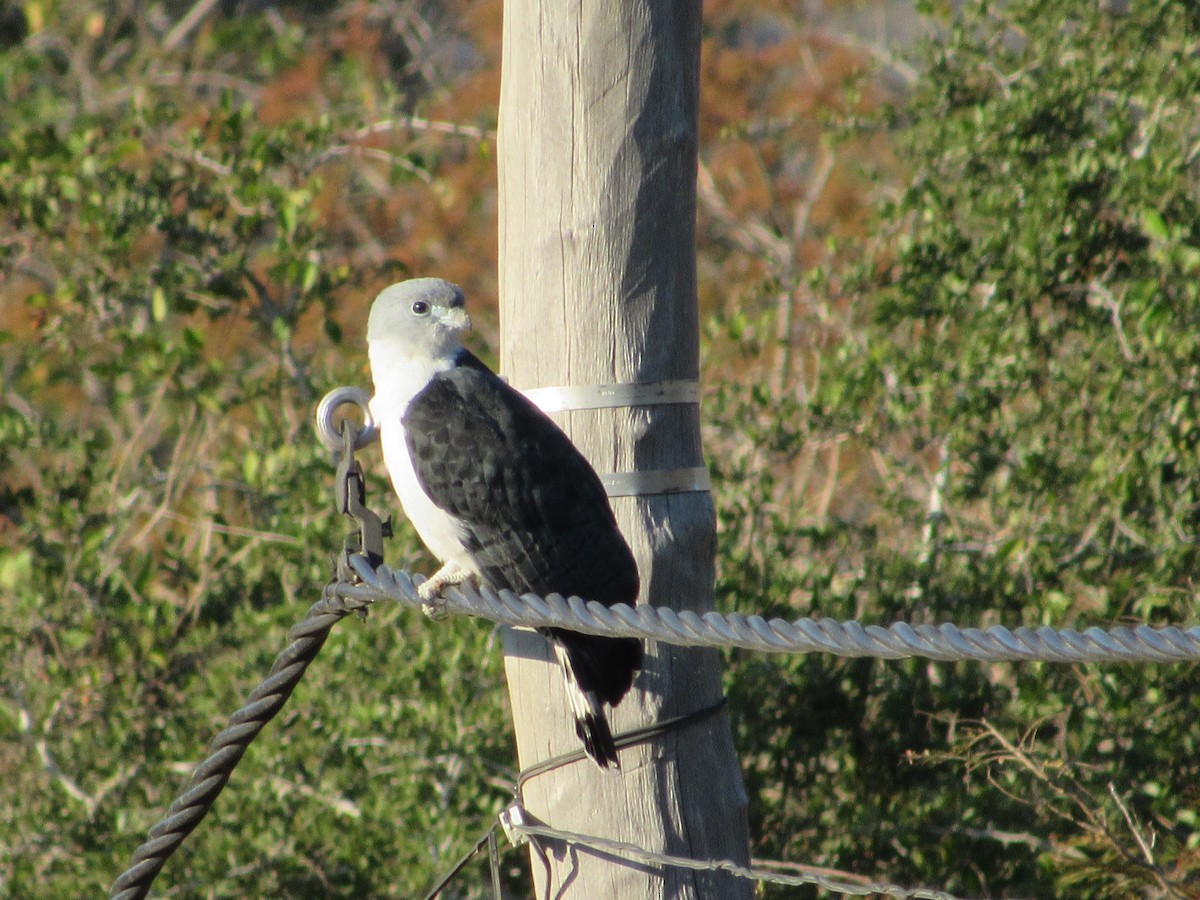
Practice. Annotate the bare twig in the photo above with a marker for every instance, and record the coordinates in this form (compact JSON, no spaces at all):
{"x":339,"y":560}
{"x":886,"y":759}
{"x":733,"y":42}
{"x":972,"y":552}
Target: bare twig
{"x":934,"y":513}
{"x":1093,"y":819}
{"x":188,"y":23}
{"x":375,"y":153}
{"x":272,"y":537}
{"x":1100,"y":295}
{"x":786,"y":308}
{"x":417,"y":123}
{"x":906,"y":72}
{"x":337,"y":804}
{"x":41,"y":746}
{"x":1133,"y":829}
{"x":750,"y":237}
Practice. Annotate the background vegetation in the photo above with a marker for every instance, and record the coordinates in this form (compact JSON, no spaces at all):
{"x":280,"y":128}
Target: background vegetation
{"x":949,"y":272}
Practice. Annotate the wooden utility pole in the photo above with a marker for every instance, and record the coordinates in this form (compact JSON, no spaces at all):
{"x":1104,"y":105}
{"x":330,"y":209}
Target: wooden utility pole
{"x":597,"y":165}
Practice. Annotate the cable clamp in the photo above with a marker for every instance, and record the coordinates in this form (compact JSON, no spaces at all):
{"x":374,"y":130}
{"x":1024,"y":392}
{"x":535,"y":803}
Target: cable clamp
{"x":656,"y":482}
{"x":613,"y":396}
{"x":653,"y":483}
{"x":512,"y":817}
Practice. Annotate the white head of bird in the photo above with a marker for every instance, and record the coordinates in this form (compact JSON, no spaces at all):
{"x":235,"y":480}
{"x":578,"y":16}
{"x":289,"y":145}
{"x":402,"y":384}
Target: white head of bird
{"x":414,"y":331}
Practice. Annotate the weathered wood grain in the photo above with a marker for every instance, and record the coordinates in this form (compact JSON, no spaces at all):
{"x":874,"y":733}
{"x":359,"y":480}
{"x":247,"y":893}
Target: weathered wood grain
{"x":597,"y":161}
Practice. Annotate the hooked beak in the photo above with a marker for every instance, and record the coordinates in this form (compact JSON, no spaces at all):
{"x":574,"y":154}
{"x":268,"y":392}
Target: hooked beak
{"x":456,"y":318}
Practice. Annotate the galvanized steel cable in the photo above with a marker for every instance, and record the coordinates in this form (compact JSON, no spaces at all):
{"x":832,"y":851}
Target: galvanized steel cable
{"x":946,"y":642}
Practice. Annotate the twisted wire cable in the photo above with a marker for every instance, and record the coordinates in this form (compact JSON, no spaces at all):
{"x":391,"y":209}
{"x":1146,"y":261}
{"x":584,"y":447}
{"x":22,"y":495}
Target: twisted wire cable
{"x":306,"y":639}
{"x":946,"y":642}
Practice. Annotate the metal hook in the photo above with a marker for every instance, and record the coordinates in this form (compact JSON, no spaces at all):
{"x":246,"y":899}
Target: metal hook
{"x":350,"y":490}
{"x":329,"y":432}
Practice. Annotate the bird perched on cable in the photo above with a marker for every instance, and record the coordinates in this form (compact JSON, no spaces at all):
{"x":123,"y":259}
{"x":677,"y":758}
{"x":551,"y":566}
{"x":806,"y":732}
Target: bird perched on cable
{"x":497,"y":491}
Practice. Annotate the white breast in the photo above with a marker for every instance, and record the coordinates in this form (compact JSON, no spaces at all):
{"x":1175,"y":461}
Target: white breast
{"x":397,"y":380}
{"x":440,"y":531}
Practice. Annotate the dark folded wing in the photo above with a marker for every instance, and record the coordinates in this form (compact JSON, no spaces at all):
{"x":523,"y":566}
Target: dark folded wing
{"x":535,"y":513}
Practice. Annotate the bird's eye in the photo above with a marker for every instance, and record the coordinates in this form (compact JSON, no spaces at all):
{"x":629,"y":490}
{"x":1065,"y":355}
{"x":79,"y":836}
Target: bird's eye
{"x":420,"y":307}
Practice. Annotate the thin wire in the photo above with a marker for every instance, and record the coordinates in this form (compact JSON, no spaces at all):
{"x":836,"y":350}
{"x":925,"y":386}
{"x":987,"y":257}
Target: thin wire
{"x":494,"y":863}
{"x":654,"y":858}
{"x":488,"y":840}
{"x":625,"y":739}
{"x":946,"y":642}
{"x":517,"y":826}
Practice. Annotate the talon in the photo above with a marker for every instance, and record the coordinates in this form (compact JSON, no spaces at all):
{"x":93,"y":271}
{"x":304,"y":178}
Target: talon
{"x":429,"y":592}
{"x":433,"y":604}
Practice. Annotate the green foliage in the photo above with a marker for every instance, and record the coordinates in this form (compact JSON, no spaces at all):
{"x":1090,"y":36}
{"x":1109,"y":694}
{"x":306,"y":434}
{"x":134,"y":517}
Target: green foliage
{"x":1027,"y":351}
{"x":1018,"y":339}
{"x":171,"y":314}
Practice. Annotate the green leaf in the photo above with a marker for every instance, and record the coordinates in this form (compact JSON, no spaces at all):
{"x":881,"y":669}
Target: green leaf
{"x":158,"y":304}
{"x":1153,"y":225}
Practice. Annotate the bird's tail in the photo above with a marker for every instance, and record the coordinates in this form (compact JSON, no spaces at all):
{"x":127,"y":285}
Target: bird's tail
{"x":590,"y":722}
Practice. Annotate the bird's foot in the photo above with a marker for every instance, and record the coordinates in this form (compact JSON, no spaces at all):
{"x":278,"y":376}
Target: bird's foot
{"x":433,"y":604}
